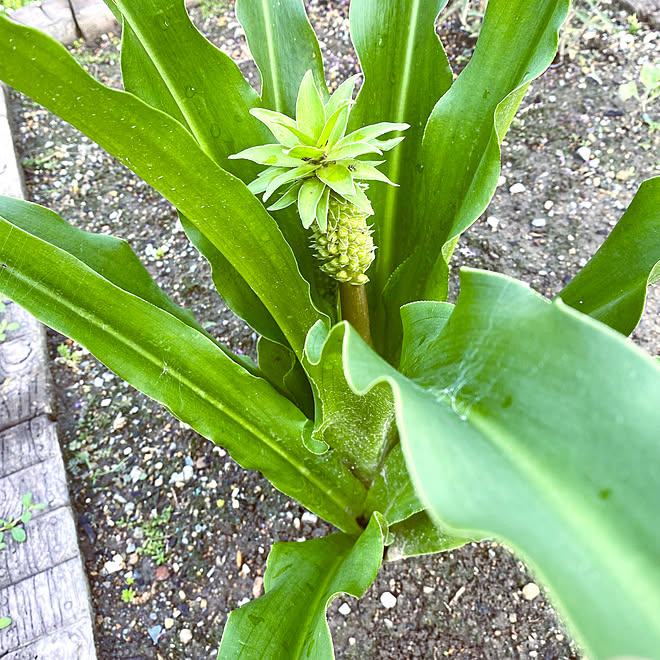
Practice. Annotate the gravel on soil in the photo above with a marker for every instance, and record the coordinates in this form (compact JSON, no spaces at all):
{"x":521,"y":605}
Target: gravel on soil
{"x":174,"y":533}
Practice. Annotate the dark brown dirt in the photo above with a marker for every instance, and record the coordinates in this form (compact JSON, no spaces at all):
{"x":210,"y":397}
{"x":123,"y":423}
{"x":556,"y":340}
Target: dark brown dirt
{"x":186,"y":528}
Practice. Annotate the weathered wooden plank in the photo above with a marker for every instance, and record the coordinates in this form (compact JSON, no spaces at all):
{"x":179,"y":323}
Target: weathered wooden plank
{"x":24,"y":382}
{"x":44,"y":604}
{"x":46,"y":481}
{"x":73,"y":643}
{"x":11,"y":175}
{"x":51,"y":540}
{"x":27,"y":444}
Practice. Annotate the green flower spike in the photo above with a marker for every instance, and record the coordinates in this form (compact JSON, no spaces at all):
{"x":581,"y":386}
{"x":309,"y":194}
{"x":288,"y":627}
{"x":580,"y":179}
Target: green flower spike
{"x":317,"y":165}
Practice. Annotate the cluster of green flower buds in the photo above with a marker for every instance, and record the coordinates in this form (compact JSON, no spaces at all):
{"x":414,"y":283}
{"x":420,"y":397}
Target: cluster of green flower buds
{"x":346,"y":248}
{"x":317,"y":165}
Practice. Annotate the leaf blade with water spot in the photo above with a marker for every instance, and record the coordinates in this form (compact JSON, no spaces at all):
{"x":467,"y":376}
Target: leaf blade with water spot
{"x":532,"y":423}
{"x":179,"y":366}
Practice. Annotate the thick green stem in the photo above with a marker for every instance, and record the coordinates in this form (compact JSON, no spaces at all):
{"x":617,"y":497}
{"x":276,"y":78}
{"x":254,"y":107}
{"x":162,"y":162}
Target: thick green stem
{"x":355,"y":309}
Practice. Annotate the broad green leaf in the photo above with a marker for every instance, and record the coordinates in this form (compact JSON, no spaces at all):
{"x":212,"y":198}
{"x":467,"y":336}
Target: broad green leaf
{"x":358,"y":428}
{"x":459,"y":163}
{"x":110,"y":257}
{"x":612,"y":286}
{"x":310,"y":110}
{"x":422,"y":321}
{"x":18,"y":534}
{"x":301,"y":580}
{"x":406,"y":72}
{"x":180,"y":367}
{"x":649,"y":76}
{"x":308,"y":200}
{"x":420,"y":535}
{"x":5,"y":622}
{"x":140,"y":76}
{"x":164,"y":154}
{"x":284,"y":47}
{"x":215,"y":99}
{"x":628,"y":90}
{"x":534,"y":424}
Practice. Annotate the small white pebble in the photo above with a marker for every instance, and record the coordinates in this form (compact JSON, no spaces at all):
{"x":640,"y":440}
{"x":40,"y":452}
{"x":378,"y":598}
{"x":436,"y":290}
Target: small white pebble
{"x":309,"y":518}
{"x":584,"y":153}
{"x":492,"y":221}
{"x":539,"y":222}
{"x":344,"y":609}
{"x":135,"y":474}
{"x":105,"y":403}
{"x":185,"y":636}
{"x":98,"y":382}
{"x":530,"y":591}
{"x":517,"y":188}
{"x":388,"y":600}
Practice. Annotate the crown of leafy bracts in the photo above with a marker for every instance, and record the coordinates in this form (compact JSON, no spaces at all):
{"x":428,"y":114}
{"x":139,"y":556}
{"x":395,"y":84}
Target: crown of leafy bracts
{"x":315,"y":159}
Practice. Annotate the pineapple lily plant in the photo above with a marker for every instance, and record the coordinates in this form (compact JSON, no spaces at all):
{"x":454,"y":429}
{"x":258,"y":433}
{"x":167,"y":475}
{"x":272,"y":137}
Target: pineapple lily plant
{"x":411,"y":424}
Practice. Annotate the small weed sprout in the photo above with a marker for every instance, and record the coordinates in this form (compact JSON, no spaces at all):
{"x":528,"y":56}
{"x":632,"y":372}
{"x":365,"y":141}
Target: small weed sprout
{"x":16,"y":526}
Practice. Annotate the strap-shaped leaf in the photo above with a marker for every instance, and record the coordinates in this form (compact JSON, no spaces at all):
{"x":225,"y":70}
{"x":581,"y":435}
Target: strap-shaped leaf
{"x":109,"y":256}
{"x":279,"y":366}
{"x":535,"y":424}
{"x":141,"y":77}
{"x":612,"y":286}
{"x":179,"y":366}
{"x":205,"y":83}
{"x":459,"y":162}
{"x":164,"y":154}
{"x":301,"y":580}
{"x":235,"y":292}
{"x":284,"y":47}
{"x":406,"y":72}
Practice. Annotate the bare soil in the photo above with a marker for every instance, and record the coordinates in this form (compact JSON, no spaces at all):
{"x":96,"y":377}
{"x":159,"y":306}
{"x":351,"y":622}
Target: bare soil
{"x":174,"y":533}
